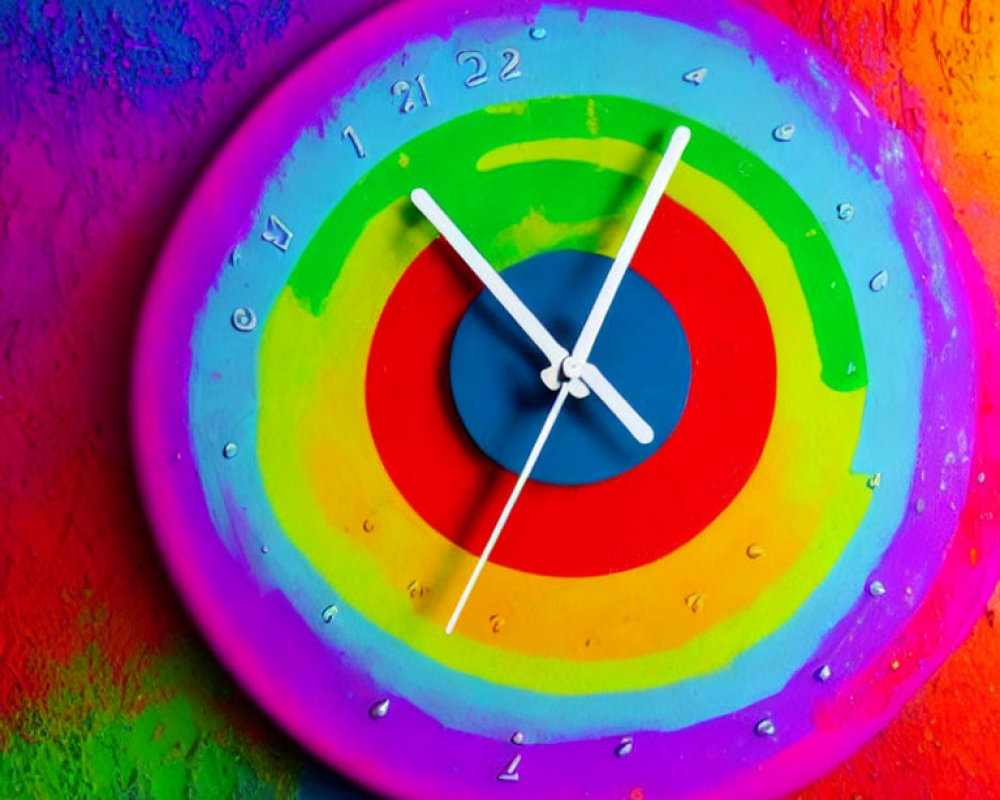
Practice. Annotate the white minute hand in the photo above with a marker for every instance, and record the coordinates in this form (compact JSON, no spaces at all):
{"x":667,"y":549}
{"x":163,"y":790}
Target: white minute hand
{"x":658,"y":185}
{"x":497,"y":286}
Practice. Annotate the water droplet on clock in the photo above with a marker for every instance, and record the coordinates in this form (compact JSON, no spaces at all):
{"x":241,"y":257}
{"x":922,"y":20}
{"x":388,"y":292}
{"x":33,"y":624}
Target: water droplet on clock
{"x":879,"y":281}
{"x":784,"y":133}
{"x":624,"y":747}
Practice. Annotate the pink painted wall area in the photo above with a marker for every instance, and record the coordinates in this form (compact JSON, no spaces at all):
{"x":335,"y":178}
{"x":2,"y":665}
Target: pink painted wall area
{"x":108,"y":111}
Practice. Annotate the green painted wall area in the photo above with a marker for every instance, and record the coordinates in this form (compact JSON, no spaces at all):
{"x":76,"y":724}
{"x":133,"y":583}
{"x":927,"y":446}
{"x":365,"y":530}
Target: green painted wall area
{"x":165,"y":732}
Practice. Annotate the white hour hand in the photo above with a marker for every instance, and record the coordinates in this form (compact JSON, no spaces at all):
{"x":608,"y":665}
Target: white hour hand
{"x":617,"y":404}
{"x":496,"y":285}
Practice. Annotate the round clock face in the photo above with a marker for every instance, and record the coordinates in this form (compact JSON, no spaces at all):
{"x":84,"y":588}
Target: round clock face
{"x":739,"y":478}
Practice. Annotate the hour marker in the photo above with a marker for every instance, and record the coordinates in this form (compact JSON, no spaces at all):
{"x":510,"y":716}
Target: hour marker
{"x":510,"y":771}
{"x":876,"y":588}
{"x":879,"y":281}
{"x":277,"y":233}
{"x":379,"y":710}
{"x":823,"y":673}
{"x":351,"y":135}
{"x":784,"y":133}
{"x":244,"y":319}
{"x":328,"y":615}
{"x":765,"y":727}
{"x":845,"y":211}
{"x":696,"y":76}
{"x":229,"y":450}
{"x":755,"y":551}
{"x":624,"y":747}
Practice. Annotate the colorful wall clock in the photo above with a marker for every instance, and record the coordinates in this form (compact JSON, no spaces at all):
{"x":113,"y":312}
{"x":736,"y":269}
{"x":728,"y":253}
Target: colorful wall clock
{"x":331,"y":415}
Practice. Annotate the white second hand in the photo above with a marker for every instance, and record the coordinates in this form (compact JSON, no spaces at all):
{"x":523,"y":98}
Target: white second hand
{"x":522,"y":479}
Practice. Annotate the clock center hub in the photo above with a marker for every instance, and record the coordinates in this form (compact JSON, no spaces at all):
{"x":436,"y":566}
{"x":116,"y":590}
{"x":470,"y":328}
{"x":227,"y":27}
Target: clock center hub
{"x":571,"y":368}
{"x":494,"y":370}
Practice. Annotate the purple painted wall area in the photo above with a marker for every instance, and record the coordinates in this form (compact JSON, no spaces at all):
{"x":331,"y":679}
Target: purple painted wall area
{"x":108,"y":110}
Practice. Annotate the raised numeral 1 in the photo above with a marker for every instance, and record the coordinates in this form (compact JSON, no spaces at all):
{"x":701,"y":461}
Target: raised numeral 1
{"x":352,"y":135}
{"x":423,"y":89}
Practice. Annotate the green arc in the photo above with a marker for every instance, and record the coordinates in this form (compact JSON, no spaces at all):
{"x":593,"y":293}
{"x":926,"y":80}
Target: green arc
{"x":450,"y":159}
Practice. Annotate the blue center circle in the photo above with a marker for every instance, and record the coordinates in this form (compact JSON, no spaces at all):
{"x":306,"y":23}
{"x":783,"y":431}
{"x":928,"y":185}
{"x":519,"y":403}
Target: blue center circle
{"x":502,"y":401}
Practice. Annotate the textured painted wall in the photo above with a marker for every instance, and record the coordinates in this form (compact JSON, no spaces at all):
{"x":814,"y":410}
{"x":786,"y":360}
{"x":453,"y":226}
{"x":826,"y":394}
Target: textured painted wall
{"x":108,"y":110}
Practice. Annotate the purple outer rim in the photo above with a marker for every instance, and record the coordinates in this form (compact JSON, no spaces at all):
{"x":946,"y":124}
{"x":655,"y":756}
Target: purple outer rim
{"x":326,"y":709}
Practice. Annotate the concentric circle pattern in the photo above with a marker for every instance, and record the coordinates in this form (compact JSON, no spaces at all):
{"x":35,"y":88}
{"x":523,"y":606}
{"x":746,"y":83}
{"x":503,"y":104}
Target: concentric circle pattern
{"x":729,"y":410}
{"x":801,"y":325}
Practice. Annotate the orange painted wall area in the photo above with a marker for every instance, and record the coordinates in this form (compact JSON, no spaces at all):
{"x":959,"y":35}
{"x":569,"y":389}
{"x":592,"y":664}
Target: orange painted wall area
{"x":933,"y":67}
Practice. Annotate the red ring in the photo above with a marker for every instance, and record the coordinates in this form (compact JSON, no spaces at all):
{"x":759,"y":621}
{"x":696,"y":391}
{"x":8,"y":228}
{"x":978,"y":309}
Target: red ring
{"x":600,"y":528}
